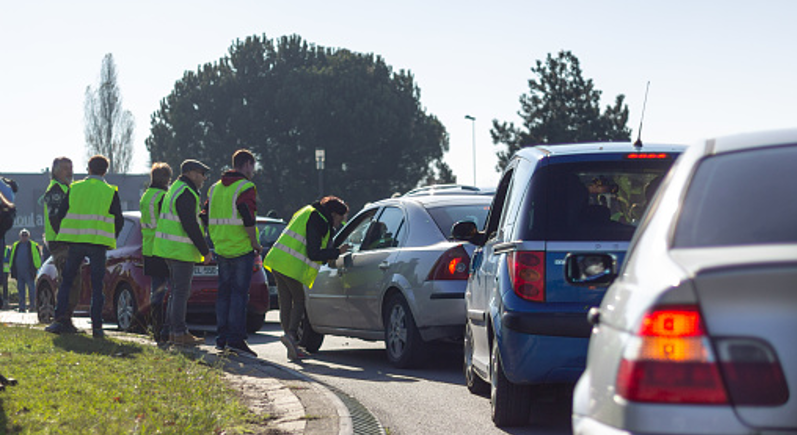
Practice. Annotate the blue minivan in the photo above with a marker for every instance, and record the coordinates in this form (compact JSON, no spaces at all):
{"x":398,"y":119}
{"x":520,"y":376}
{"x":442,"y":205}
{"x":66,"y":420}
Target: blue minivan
{"x":535,"y":273}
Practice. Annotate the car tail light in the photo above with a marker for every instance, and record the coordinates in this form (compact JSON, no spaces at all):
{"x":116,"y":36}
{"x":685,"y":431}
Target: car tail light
{"x":670,"y":360}
{"x":646,"y":156}
{"x":752,"y":372}
{"x":452,"y":265}
{"x":527,"y":272}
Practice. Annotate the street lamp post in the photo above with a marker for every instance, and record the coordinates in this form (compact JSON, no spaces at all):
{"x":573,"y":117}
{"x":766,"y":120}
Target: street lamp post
{"x":320,"y":156}
{"x":473,"y":136}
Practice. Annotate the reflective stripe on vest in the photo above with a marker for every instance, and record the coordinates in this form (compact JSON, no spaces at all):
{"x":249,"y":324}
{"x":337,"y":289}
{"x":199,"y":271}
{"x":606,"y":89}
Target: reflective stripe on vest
{"x":89,"y":219}
{"x":171,"y":240}
{"x":149,"y":218}
{"x":49,"y":232}
{"x":288,"y":256}
{"x":226,"y":225}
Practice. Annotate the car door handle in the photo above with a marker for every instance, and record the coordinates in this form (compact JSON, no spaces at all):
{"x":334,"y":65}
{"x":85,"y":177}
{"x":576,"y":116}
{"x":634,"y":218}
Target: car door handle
{"x":384,"y":265}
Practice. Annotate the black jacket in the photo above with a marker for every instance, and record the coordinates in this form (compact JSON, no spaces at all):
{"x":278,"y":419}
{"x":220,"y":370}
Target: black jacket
{"x":317,"y":228}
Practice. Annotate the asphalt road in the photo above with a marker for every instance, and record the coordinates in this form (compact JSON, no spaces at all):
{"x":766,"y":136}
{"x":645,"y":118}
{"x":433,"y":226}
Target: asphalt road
{"x":432,"y":400}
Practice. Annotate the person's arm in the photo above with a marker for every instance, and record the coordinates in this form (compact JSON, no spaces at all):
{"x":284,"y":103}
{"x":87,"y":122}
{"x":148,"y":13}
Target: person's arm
{"x":204,"y":214}
{"x":247,"y":207}
{"x":62,"y":211}
{"x":317,"y":228}
{"x":186,"y":209}
{"x":116,"y":212}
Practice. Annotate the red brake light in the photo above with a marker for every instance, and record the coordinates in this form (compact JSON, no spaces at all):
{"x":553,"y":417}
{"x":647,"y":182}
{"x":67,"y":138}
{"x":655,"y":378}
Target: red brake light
{"x":452,"y":265}
{"x":527,"y":273}
{"x":670,"y":360}
{"x":639,"y":156}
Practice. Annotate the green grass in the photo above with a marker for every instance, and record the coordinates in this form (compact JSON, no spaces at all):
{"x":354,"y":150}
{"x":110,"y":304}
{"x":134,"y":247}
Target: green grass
{"x":73,"y":384}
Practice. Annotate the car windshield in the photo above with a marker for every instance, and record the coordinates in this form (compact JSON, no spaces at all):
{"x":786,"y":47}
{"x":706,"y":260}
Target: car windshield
{"x":591,"y":200}
{"x":445,"y":217}
{"x":741,"y":198}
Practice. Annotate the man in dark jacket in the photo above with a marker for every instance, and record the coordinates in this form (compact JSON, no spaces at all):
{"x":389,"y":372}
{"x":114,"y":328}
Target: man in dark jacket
{"x":26,"y":259}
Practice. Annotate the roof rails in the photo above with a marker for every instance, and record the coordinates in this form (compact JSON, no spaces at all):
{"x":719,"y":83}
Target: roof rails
{"x":449,"y":189}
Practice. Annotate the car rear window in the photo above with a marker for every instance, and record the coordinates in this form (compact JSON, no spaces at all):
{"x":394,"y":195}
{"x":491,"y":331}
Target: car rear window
{"x":445,"y":217}
{"x":591,"y":200}
{"x":741,"y":198}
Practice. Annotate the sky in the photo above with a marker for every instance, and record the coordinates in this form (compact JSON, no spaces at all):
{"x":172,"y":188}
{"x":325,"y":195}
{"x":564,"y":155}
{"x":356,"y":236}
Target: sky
{"x":715,"y":67}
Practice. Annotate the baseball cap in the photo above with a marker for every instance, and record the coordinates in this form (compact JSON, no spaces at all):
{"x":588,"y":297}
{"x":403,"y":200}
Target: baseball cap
{"x":193,"y":165}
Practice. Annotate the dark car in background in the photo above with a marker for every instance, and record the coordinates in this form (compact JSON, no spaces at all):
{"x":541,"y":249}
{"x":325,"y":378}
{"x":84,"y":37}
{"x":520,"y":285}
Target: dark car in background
{"x":127,"y":289}
{"x":269,"y":229}
{"x":697,"y":333}
{"x":555,"y":208}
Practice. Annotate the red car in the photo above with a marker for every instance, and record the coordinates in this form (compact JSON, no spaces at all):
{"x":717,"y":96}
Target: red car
{"x":127,"y":289}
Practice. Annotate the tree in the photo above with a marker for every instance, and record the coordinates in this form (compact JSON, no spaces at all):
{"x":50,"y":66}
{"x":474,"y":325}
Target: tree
{"x":284,"y":98}
{"x":108,"y":128}
{"x":561,"y":107}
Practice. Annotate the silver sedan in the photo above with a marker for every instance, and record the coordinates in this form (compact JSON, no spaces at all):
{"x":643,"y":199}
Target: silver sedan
{"x":697,"y":334}
{"x":403,"y":281}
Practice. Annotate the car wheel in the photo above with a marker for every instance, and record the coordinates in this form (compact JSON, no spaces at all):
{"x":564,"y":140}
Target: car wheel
{"x":254,"y":322}
{"x":308,"y":338}
{"x":510,"y":403}
{"x":475,"y":384}
{"x":45,"y":303}
{"x":403,"y":342}
{"x":126,"y":309}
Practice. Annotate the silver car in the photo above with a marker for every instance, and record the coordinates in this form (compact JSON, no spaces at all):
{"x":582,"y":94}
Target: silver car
{"x":697,"y":334}
{"x":403,"y":281}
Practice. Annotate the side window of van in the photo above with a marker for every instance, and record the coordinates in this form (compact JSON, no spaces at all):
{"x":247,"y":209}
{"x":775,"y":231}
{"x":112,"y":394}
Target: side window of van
{"x":497,"y":207}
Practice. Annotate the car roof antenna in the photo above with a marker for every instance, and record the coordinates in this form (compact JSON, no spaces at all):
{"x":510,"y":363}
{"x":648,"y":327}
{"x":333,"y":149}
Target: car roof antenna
{"x":638,"y":142}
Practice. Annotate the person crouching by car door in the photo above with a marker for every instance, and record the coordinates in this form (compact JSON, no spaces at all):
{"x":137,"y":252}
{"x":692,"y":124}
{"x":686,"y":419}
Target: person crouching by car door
{"x":231,"y":210}
{"x":296,"y":257}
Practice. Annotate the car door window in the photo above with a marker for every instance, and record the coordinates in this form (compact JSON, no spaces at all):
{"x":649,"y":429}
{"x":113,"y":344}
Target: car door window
{"x":386,"y":231}
{"x":354,"y":232}
{"x":497,"y":207}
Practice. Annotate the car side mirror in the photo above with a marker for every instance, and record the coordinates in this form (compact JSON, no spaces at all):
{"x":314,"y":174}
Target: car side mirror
{"x":464,"y":230}
{"x":590,"y":269}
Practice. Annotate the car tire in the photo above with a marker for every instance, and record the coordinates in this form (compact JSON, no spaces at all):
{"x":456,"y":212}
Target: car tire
{"x":510,"y":403}
{"x":307,"y":337}
{"x":126,"y":309}
{"x":473,"y":381}
{"x":403,"y":343}
{"x":45,"y":303}
{"x":254,"y":322}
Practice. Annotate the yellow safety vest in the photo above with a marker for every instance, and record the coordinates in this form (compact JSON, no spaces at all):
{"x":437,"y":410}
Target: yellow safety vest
{"x":288,"y":256}
{"x":34,"y":251}
{"x":150,"y":209}
{"x":171,"y":240}
{"x":49,"y":232}
{"x":7,"y":259}
{"x":89,"y":219}
{"x":227,"y":231}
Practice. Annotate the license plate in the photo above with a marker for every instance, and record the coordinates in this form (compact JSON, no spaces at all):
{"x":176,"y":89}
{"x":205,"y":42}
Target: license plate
{"x":206,"y":270}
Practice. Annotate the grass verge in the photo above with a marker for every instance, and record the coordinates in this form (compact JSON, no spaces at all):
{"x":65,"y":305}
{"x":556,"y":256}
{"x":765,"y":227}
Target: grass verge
{"x":75,"y":384}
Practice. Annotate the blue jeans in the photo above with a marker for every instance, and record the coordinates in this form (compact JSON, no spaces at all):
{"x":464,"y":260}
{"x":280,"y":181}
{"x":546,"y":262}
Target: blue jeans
{"x":24,"y":283}
{"x":235,"y":276}
{"x":96,"y":255}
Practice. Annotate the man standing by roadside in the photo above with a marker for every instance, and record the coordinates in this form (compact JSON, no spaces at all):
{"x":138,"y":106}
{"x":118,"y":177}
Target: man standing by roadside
{"x":296,"y":257}
{"x":231,"y":212}
{"x":160,"y":177}
{"x":61,"y":173}
{"x":26,"y":259}
{"x":90,"y":220}
{"x":179,"y":240}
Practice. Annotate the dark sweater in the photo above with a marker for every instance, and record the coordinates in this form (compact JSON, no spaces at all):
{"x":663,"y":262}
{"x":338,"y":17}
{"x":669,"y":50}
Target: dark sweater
{"x":317,"y":228}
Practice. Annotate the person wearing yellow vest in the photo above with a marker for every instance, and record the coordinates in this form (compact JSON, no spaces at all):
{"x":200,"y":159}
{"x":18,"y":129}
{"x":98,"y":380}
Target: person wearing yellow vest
{"x":179,"y":240}
{"x":61,"y":173}
{"x":160,"y":177}
{"x":6,"y":272}
{"x":230,"y":211}
{"x":296,"y":257}
{"x":26,"y":259}
{"x":89,"y":222}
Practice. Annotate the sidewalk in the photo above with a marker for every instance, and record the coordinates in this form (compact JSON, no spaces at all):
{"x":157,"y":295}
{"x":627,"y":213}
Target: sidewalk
{"x":298,"y":404}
